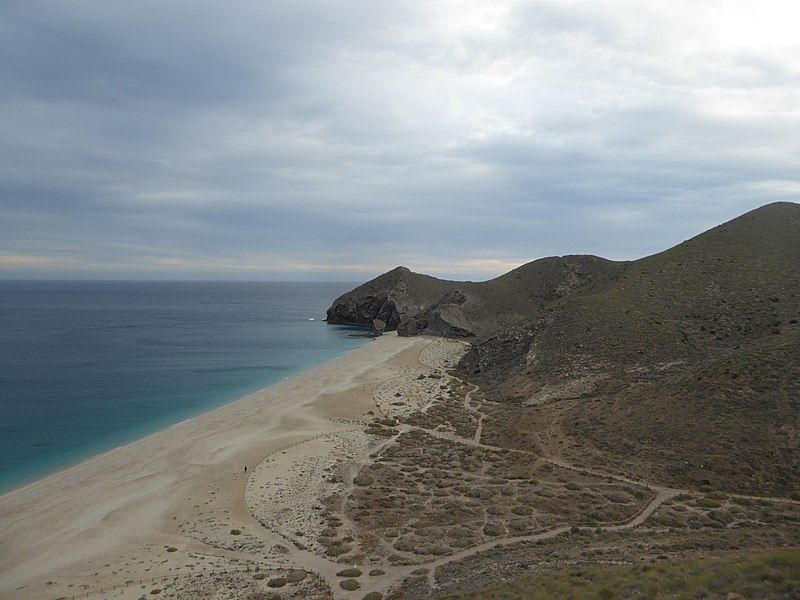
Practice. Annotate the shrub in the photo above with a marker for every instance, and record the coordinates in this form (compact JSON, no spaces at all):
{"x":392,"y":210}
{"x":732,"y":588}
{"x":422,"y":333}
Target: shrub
{"x":436,"y":550}
{"x":277,"y":582}
{"x":364,"y":480}
{"x":521,"y":525}
{"x":617,"y":497}
{"x":351,"y":572}
{"x":708,"y":503}
{"x":296,"y":576}
{"x":350,"y":585}
{"x":405,"y":544}
{"x":337,"y":550}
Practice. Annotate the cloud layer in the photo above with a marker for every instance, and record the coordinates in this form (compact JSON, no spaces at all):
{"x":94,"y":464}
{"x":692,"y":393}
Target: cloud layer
{"x":317,"y":140}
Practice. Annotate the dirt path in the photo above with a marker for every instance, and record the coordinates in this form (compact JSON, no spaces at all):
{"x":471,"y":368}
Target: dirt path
{"x":451,"y":437}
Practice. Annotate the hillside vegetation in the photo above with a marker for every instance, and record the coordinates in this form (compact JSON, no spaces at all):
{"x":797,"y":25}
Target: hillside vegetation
{"x":772,"y":574}
{"x":681,"y":367}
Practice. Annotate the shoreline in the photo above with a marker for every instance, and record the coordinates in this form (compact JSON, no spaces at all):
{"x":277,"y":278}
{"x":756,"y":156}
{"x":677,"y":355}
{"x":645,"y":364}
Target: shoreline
{"x":128,"y":501}
{"x":201,"y":412}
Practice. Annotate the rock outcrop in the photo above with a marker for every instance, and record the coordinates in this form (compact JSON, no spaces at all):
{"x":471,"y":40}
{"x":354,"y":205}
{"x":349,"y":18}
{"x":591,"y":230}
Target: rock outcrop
{"x":392,"y":298}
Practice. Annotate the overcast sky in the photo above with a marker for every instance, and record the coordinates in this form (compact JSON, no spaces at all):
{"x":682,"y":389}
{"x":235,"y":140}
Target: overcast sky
{"x":336,"y":140}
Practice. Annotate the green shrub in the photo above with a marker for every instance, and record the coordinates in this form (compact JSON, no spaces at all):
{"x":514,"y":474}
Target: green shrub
{"x":296,"y":576}
{"x":708,"y":503}
{"x":337,"y":550}
{"x":364,"y":480}
{"x":349,"y":585}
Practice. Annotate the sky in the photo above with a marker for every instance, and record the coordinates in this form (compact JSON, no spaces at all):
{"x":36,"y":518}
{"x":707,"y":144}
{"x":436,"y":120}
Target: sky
{"x":335,"y":140}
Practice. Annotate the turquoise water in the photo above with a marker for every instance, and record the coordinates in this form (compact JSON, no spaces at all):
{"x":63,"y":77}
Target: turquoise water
{"x":88,"y":366}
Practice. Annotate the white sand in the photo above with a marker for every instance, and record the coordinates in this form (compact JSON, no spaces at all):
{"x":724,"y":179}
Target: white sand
{"x":411,"y":390}
{"x":110,"y":519}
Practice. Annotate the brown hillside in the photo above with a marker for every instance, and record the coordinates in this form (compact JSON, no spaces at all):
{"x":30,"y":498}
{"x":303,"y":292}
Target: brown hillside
{"x":681,"y":366}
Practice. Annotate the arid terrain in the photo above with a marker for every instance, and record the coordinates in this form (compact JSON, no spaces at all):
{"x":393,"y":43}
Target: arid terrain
{"x":573,"y":452}
{"x":411,"y":500}
{"x":676,"y":373}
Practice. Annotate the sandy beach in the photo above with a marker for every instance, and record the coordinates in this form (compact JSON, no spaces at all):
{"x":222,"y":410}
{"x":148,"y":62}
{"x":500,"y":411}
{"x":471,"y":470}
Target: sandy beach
{"x":159,"y":512}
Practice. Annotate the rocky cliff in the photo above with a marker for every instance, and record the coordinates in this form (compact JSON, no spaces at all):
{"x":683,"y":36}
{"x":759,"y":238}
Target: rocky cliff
{"x":397,"y":298}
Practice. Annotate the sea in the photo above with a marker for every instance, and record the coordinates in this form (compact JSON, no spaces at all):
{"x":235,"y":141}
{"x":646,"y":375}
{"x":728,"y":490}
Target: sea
{"x":86,"y":366}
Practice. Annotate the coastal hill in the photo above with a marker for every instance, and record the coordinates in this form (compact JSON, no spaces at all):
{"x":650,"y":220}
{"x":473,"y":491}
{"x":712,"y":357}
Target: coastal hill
{"x":413,"y":303}
{"x":681,"y":366}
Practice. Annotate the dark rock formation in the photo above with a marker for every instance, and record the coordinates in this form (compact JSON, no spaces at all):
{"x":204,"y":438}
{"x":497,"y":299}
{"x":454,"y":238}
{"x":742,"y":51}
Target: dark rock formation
{"x":400,"y":299}
{"x":371,"y":301}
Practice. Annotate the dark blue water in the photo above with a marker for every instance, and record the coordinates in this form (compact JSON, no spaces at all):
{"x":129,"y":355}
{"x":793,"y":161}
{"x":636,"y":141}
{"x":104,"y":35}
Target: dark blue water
{"x":87,"y":366}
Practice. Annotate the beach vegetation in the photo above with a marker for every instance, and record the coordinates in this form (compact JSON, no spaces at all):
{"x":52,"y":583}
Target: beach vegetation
{"x":338,"y":549}
{"x":350,"y":584}
{"x":296,"y":576}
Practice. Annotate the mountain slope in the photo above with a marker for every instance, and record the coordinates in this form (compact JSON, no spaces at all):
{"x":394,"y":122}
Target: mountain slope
{"x":684,"y":368}
{"x":681,"y":366}
{"x":735,"y":284}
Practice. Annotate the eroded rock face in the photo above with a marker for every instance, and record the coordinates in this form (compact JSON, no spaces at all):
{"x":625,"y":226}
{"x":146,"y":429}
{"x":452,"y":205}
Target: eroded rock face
{"x":402,"y":301}
{"x":446,"y":320}
{"x":364,"y":311}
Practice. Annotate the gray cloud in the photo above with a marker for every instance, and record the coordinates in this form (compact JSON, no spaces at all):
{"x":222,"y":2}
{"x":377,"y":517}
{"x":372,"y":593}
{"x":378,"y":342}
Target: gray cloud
{"x":306,"y":140}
